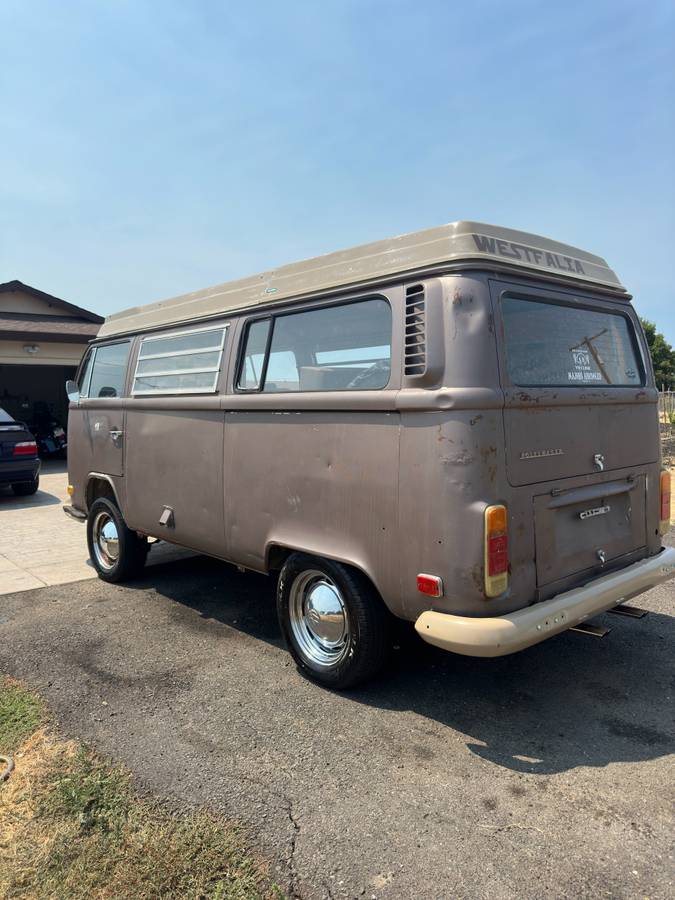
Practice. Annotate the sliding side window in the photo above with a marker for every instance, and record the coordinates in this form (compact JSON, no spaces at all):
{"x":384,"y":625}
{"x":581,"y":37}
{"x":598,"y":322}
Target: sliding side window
{"x":186,"y":362}
{"x":335,"y":348}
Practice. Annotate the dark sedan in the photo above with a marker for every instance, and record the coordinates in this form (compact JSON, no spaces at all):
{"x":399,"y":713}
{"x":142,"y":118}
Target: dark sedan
{"x":19,"y":463}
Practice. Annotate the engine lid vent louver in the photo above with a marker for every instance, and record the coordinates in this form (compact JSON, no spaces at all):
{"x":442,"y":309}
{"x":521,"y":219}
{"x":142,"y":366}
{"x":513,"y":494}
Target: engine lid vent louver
{"x":415,"y":354}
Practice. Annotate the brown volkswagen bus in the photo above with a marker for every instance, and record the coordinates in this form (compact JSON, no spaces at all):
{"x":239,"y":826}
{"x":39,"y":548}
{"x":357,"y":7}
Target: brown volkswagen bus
{"x":456,"y":427}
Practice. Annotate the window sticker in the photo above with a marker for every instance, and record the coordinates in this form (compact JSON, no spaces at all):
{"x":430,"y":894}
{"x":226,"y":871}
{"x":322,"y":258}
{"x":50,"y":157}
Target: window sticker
{"x":582,"y":370}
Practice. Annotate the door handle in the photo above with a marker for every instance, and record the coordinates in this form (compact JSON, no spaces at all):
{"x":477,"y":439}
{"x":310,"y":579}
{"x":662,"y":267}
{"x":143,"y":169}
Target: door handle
{"x":116,"y":435}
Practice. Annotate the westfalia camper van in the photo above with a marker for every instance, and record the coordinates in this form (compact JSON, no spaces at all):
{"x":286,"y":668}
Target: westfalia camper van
{"x":456,"y":427}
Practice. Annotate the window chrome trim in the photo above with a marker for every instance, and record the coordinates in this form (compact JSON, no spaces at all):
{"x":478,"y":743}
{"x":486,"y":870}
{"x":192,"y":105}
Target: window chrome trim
{"x":175,"y":391}
{"x":210,"y":389}
{"x":204,"y":371}
{"x":181,"y":352}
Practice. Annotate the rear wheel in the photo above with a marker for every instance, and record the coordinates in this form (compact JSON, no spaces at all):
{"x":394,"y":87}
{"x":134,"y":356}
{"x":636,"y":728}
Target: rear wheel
{"x":25,"y":488}
{"x":116,"y":551}
{"x":333,"y":620}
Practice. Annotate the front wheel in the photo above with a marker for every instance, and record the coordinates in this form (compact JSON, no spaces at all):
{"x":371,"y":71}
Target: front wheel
{"x":116,"y":551}
{"x":333,"y":620}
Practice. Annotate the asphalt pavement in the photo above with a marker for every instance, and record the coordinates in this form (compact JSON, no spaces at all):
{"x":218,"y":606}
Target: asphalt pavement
{"x":544,"y":774}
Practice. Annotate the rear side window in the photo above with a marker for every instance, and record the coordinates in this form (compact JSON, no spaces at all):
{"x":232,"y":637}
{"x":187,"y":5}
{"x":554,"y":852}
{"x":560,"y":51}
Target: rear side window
{"x":250,"y":376}
{"x":185,"y":362}
{"x":345,"y":347}
{"x":108,"y":370}
{"x":549,"y":344}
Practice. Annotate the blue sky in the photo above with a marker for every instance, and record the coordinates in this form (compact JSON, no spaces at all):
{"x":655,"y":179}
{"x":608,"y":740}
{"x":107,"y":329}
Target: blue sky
{"x":151,"y":148}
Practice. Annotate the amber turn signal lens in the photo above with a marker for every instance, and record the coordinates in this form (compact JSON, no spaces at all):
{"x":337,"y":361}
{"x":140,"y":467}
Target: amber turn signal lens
{"x":496,"y":551}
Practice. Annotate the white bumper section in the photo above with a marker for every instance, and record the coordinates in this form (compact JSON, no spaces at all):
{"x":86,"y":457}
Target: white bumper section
{"x":500,"y":635}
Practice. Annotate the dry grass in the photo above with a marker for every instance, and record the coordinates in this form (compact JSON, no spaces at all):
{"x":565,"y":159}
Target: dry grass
{"x":72,"y":826}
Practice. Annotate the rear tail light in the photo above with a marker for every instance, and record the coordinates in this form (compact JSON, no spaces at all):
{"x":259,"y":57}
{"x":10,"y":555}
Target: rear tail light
{"x":25,"y":448}
{"x":664,"y":514}
{"x":496,"y":551}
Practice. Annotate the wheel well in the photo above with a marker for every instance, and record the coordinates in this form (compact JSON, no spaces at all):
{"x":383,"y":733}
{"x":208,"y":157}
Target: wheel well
{"x":277,"y":556}
{"x":99,"y":487}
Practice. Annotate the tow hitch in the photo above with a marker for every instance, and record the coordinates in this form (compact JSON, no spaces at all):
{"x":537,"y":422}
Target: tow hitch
{"x":631,"y":612}
{"x":593,"y":630}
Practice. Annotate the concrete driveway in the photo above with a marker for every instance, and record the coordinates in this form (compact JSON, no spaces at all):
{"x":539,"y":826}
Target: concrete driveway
{"x":545,"y":774}
{"x":40,"y":545}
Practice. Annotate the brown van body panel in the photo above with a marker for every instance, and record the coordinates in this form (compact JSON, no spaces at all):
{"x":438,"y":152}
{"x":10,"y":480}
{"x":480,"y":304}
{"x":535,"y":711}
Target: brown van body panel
{"x":395,"y":481}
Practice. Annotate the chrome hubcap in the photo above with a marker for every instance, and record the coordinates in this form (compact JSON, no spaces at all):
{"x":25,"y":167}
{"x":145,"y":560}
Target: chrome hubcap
{"x":106,"y":541}
{"x":318,"y":619}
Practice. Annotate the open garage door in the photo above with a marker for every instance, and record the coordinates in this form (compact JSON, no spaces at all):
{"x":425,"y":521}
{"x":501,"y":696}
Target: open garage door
{"x":24,"y":388}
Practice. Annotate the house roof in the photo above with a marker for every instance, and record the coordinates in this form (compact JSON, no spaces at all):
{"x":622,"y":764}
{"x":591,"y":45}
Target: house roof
{"x":422,"y":253}
{"x":28,"y":326}
{"x":16,"y":285}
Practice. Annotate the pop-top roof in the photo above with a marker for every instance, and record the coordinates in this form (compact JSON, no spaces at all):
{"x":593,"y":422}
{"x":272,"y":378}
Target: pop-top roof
{"x":421,"y":252}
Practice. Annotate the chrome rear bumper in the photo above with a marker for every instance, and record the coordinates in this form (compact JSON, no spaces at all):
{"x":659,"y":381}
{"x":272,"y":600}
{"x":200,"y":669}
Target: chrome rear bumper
{"x":500,"y":635}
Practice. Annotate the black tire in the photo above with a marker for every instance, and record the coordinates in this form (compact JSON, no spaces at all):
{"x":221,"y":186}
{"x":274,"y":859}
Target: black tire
{"x":363,"y":649}
{"x":132,"y":550}
{"x":26,"y":488}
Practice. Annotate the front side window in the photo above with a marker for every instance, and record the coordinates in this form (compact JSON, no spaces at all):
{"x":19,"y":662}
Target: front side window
{"x":548,"y":344}
{"x":108,"y":366}
{"x":346,"y":347}
{"x":180,"y":363}
{"x":85,"y":372}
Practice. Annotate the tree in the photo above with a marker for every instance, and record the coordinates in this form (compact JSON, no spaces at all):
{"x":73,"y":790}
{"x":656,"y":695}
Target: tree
{"x":663,"y":356}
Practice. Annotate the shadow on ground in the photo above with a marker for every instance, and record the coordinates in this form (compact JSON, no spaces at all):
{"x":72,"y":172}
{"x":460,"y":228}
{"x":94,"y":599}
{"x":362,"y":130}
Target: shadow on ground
{"x":9,"y":500}
{"x":571,"y":701}
{"x":42,"y":497}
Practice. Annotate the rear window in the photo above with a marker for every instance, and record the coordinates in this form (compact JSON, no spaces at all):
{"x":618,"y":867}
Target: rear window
{"x":551,"y":344}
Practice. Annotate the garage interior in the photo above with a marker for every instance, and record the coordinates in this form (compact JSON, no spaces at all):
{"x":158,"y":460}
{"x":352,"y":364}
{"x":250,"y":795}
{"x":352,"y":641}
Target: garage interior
{"x":21,"y":387}
{"x":42,"y":340}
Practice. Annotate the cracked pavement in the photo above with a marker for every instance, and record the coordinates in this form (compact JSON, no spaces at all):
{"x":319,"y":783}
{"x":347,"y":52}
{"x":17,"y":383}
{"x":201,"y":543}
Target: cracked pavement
{"x":548,"y":773}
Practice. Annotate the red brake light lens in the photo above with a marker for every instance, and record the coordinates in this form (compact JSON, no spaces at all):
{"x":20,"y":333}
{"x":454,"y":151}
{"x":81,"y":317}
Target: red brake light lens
{"x":498,"y":554}
{"x":431,"y":585}
{"x":25,"y":448}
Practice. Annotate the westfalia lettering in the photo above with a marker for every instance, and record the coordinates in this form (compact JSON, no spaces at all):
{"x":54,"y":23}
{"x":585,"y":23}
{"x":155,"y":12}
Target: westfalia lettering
{"x":527,"y":254}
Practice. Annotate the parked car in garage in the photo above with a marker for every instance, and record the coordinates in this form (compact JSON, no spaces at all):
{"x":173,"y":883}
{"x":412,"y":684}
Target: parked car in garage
{"x":19,"y":462}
